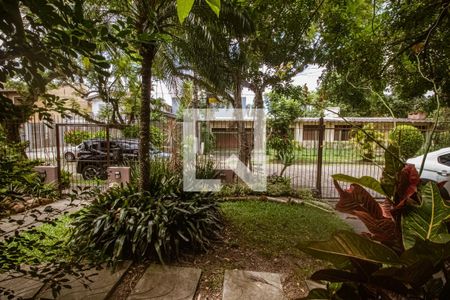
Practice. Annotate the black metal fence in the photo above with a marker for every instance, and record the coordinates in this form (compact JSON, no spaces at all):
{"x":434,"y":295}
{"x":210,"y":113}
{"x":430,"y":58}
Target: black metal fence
{"x":82,"y":150}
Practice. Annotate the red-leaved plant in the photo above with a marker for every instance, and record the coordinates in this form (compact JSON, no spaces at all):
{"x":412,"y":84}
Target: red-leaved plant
{"x":406,"y":251}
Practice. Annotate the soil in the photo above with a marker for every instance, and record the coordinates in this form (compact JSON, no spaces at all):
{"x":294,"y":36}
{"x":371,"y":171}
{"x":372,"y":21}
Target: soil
{"x":228,"y":255}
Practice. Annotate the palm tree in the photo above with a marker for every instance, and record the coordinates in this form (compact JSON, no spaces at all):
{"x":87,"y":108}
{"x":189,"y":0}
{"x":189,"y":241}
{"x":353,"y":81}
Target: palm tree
{"x":151,"y":28}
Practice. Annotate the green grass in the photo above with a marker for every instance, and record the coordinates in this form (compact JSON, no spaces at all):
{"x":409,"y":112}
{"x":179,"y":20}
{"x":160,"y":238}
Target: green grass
{"x":276,"y":229}
{"x":46,"y":244}
{"x":330,"y":155}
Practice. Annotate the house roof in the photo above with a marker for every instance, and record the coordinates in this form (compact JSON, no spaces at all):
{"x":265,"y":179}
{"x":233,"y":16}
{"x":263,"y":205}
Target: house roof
{"x":366,"y":120}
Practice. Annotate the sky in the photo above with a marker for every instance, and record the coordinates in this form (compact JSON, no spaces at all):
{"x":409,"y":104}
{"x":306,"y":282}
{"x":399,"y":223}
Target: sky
{"x":309,"y":76}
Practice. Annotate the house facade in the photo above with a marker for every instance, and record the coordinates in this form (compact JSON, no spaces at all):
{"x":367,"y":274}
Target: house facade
{"x":337,"y":129}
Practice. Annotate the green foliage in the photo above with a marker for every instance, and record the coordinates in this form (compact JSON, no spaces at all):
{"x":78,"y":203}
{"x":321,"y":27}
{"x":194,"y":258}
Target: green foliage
{"x":157,"y":136}
{"x":205,"y":168}
{"x":408,"y":139}
{"x":279,"y":186}
{"x":131,"y":131}
{"x":77,"y":136}
{"x":125,"y":224}
{"x":366,"y":139}
{"x":41,"y":254}
{"x":129,"y":224}
{"x":40,"y":43}
{"x":64,"y":179}
{"x":17,"y":175}
{"x":235,"y":190}
{"x":441,"y":140}
{"x":283,"y":111}
{"x":405,"y":253}
{"x":43,"y":244}
{"x":275,"y":229}
{"x":427,"y":221}
{"x":208,"y":139}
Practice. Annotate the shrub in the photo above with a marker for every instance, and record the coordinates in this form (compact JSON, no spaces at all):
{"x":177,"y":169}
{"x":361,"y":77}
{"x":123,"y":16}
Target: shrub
{"x":205,"y":169}
{"x":403,"y":254}
{"x":366,"y":140}
{"x":278,"y":186}
{"x":17,"y":175}
{"x":157,"y":136}
{"x":441,"y":140}
{"x":408,"y":139}
{"x":235,"y":190}
{"x":125,"y":224}
{"x":208,"y":139}
{"x":75,"y":137}
{"x":64,"y":180}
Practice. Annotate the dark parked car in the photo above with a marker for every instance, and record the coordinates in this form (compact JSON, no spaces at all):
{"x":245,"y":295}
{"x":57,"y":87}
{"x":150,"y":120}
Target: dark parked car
{"x":92,"y":162}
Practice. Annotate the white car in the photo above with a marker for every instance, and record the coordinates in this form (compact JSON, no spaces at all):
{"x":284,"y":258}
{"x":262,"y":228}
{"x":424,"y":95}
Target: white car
{"x":71,"y":152}
{"x":436,"y":168}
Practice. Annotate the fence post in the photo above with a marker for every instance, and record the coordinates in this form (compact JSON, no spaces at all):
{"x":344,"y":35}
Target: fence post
{"x":58,"y":158}
{"x":108,"y":149}
{"x":320,"y":157}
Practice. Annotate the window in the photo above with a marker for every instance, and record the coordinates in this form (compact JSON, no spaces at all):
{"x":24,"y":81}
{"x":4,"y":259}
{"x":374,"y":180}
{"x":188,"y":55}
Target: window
{"x":310,"y":132}
{"x":342,"y":132}
{"x":444,"y":159}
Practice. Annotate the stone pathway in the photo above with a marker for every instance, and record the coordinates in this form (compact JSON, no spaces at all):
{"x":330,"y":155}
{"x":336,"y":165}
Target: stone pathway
{"x":167,"y":283}
{"x":247,"y":285}
{"x":21,"y":287}
{"x":158,"y":282}
{"x":103,"y":282}
{"x":36,"y":216}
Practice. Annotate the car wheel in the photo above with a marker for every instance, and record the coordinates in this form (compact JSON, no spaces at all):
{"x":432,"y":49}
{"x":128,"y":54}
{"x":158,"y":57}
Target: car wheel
{"x":91,"y":172}
{"x":69,"y":156}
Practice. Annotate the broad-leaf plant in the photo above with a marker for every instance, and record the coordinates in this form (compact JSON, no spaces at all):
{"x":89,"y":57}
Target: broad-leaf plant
{"x":405,"y":253}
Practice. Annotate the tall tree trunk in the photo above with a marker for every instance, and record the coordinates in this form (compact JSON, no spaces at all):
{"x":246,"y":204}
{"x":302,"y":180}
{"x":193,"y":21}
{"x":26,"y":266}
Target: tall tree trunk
{"x":259,"y":103}
{"x":244,"y":151}
{"x":195,"y":102}
{"x":148,"y":53}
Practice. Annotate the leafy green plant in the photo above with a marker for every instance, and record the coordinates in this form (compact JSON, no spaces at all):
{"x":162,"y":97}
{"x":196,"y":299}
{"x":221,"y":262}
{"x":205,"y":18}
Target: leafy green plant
{"x":76,"y":136}
{"x":208,"y":139}
{"x":441,"y":140}
{"x":235,"y":190}
{"x":125,"y":224}
{"x":408,"y":139}
{"x":64,"y":179}
{"x":17,"y":176}
{"x":404,"y":255}
{"x":366,"y":139}
{"x":205,"y":169}
{"x":157,"y":136}
{"x":278,"y":186}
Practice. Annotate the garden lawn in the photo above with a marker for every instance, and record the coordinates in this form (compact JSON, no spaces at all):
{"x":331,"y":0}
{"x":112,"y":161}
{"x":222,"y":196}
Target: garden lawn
{"x":263,"y":236}
{"x":277,"y":229}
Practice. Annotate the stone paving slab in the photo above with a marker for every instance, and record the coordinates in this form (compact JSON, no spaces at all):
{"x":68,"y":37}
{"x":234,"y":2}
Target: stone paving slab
{"x":248,"y":285}
{"x":8,"y":225}
{"x":167,"y":283}
{"x":22,"y":287}
{"x":100,"y":288}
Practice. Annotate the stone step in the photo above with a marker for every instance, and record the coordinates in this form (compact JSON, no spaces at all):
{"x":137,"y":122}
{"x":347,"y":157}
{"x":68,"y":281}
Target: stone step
{"x":167,"y":283}
{"x":248,"y":285}
{"x":103,"y":283}
{"x":20,"y":287}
